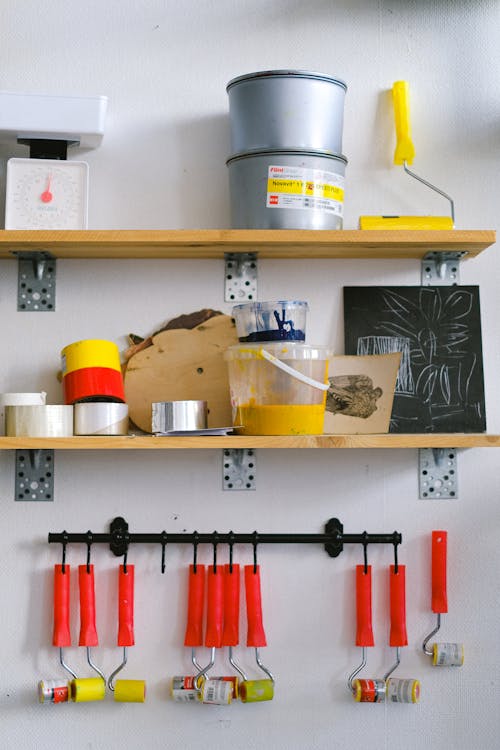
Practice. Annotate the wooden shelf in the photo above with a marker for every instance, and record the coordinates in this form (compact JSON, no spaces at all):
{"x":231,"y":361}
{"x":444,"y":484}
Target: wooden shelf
{"x":213,"y":243}
{"x":149,"y":442}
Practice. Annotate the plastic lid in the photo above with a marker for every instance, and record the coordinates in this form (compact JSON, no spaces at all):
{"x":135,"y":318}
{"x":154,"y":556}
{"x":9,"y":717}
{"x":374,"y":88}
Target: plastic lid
{"x":281,"y":350}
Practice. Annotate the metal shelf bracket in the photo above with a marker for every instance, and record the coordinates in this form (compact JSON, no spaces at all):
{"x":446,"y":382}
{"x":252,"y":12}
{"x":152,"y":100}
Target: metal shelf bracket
{"x":238,"y":469}
{"x":36,"y":282}
{"x":240,"y":277}
{"x":34,"y":479}
{"x":441,"y":269}
{"x":438,"y":476}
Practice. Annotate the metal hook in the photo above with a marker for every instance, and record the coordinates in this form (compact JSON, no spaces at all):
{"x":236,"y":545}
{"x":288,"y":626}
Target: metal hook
{"x":118,"y":669}
{"x":64,"y":543}
{"x":231,"y":544}
{"x":365,"y":552}
{"x":391,"y":670}
{"x":255,"y":536}
{"x":358,"y":669}
{"x":125,"y":562}
{"x":195,"y":550}
{"x":164,"y":536}
{"x":427,"y":639}
{"x":395,"y":558}
{"x":89,"y":544}
{"x":215,"y":538}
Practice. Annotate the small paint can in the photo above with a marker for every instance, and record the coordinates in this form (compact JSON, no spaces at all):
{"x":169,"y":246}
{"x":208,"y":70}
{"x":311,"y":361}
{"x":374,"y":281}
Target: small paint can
{"x":286,"y":189}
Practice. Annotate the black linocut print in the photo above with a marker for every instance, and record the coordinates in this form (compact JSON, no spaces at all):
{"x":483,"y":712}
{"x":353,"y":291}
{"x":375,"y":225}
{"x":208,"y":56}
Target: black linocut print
{"x":438,"y":330}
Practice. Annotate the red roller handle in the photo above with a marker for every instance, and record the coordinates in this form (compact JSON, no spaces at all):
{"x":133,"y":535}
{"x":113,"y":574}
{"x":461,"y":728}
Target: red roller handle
{"x":255,"y":635}
{"x":61,"y":635}
{"x":439,"y":549}
{"x":196,"y":597}
{"x":231,"y":632}
{"x":364,"y":630}
{"x":398,"y":635}
{"x":88,"y":631}
{"x":215,"y":607}
{"x":126,"y":606}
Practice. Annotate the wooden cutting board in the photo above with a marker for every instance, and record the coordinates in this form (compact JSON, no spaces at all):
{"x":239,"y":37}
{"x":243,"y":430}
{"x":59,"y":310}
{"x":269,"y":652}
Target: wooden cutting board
{"x":182,"y":364}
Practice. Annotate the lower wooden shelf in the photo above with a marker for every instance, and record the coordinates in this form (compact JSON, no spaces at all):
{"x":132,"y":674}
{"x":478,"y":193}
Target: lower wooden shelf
{"x":285,"y":442}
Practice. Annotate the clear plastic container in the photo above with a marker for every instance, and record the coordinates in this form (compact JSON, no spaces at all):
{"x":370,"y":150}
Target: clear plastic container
{"x":278,"y":320}
{"x":278,"y":389}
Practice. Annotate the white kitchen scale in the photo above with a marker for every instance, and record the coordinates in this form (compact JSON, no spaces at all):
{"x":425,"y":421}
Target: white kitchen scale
{"x":47,"y":191}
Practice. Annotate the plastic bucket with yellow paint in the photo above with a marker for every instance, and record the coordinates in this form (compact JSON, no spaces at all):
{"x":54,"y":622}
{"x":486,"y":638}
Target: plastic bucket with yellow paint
{"x":278,"y":389}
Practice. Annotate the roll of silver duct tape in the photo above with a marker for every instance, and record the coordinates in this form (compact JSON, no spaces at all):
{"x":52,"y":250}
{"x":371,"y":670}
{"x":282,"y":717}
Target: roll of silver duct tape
{"x":102,"y":418}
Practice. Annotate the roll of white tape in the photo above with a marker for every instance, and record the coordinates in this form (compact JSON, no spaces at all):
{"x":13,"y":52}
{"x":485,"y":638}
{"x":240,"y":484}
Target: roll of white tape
{"x":101,"y":418}
{"x":18,"y":399}
{"x":39,"y":421}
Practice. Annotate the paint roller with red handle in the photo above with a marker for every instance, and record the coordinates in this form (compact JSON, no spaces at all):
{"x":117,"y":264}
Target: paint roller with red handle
{"x":399,"y":690}
{"x":58,"y":690}
{"x":216,"y":691}
{"x":89,"y":688}
{"x":183,"y":689}
{"x":252,"y":691}
{"x":126,"y":691}
{"x":365,"y":690}
{"x":443,"y":654}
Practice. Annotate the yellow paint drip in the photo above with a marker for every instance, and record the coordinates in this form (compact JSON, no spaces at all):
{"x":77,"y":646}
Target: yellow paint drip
{"x":280,"y":419}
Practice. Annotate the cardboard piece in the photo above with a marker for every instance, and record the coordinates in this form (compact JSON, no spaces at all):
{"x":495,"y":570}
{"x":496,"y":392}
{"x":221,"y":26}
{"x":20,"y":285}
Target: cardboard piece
{"x":359,"y":400}
{"x":182,"y":364}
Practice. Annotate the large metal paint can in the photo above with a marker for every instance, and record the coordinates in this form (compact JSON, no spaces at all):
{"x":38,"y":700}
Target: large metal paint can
{"x":286,"y":189}
{"x":286,"y":109}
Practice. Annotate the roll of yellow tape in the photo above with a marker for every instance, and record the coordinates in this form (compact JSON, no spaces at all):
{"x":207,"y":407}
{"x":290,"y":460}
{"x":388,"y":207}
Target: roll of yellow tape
{"x":130,"y":691}
{"x":90,"y":353}
{"x":88,"y":689}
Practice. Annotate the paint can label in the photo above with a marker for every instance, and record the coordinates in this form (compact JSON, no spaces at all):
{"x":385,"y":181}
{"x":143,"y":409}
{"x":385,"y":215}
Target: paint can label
{"x":403,"y":691}
{"x":300,"y":187}
{"x":369,"y":691}
{"x":217,"y":692}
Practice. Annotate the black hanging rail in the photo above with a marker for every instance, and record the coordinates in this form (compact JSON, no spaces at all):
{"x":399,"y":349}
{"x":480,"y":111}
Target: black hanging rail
{"x":119,"y":538}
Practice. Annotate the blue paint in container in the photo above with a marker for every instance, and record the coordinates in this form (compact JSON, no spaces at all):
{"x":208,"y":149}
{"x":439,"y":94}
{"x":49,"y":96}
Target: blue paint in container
{"x":280,"y":320}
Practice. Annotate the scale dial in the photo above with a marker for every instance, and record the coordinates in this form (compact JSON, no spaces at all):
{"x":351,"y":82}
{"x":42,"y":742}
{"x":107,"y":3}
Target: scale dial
{"x":46,"y":194}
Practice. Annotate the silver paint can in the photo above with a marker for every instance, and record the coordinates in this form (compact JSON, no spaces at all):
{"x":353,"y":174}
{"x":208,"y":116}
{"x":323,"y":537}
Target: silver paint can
{"x":286,"y":109}
{"x":286,"y":189}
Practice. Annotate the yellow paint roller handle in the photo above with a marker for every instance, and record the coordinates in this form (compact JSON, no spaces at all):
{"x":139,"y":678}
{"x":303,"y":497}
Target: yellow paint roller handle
{"x":405,"y":150}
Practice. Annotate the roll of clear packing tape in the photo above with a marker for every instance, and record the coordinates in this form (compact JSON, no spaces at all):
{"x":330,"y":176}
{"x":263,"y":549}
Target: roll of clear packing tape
{"x":18,"y":399}
{"x":102,"y":418}
{"x":39,"y":421}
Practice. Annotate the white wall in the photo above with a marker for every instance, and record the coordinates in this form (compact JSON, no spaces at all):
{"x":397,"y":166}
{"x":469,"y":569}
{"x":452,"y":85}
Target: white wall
{"x":164,"y":66}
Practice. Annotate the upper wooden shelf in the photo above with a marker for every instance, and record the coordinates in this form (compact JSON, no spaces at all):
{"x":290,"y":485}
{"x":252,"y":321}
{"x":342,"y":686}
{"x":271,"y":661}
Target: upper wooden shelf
{"x":213,"y":243}
{"x":150,"y":442}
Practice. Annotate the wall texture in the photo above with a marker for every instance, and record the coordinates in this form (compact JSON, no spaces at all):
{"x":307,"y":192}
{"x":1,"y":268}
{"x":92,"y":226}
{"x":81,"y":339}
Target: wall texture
{"x":164,"y":67}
